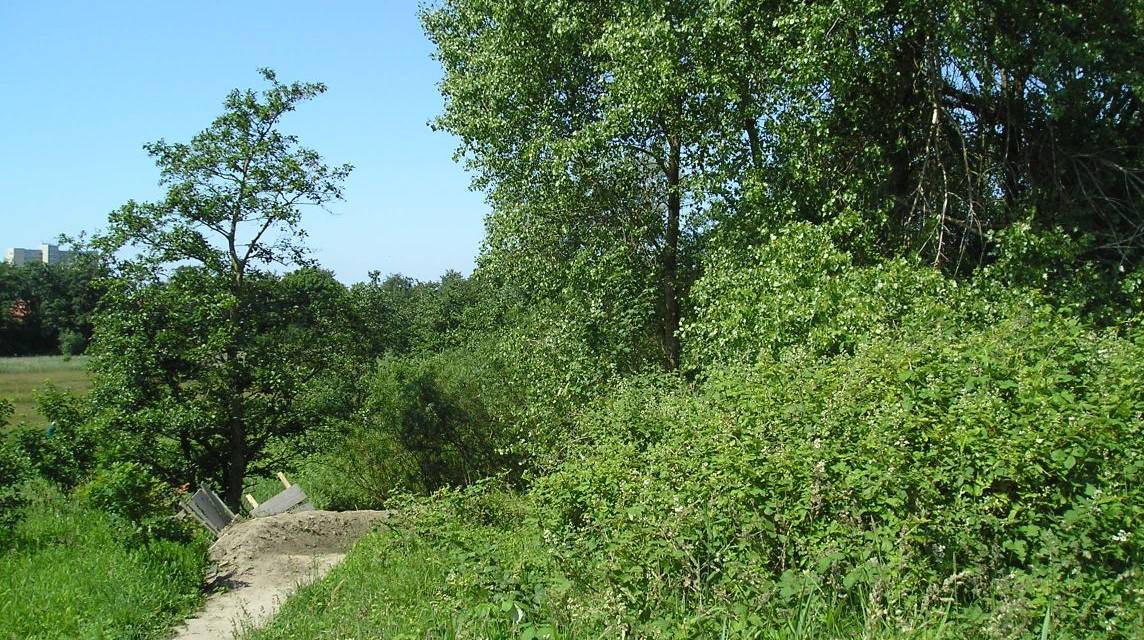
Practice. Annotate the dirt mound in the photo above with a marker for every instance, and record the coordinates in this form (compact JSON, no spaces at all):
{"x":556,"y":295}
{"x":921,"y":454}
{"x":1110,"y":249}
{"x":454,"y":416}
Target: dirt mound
{"x":260,"y":562}
{"x":306,"y":533}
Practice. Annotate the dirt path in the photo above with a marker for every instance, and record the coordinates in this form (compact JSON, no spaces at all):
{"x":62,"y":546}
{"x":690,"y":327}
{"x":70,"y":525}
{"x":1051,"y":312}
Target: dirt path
{"x":262,"y":561}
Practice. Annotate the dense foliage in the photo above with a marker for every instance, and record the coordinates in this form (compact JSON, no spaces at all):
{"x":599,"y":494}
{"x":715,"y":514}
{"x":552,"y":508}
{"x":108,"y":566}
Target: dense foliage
{"x":810,"y":319}
{"x":888,"y":254}
{"x":618,"y":140}
{"x":950,"y":465}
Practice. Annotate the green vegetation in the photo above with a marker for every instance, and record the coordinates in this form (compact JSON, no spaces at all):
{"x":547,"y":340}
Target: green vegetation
{"x":969,"y":469}
{"x":22,"y":379}
{"x":783,"y":327}
{"x":198,"y":347}
{"x":66,"y":573}
{"x":792,"y":320}
{"x":48,"y":309}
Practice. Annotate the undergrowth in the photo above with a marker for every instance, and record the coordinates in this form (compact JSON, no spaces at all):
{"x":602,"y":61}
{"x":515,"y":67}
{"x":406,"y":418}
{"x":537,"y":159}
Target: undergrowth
{"x":875,"y":452}
{"x":476,"y":564}
{"x":70,"y":571}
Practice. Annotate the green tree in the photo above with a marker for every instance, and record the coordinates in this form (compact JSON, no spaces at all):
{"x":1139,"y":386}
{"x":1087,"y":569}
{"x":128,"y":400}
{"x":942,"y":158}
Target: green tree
{"x":928,"y":128}
{"x":181,"y":343}
{"x":43,"y":306}
{"x":593,"y":149}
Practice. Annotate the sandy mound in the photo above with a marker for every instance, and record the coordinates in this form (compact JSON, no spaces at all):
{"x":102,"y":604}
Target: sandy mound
{"x":262,"y":561}
{"x":308,"y":533}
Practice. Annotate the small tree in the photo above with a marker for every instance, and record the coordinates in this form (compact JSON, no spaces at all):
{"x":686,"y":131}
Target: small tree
{"x":179,"y":340}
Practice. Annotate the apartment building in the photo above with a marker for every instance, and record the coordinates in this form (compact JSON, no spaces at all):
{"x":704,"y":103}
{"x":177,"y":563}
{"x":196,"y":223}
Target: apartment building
{"x":47,"y":254}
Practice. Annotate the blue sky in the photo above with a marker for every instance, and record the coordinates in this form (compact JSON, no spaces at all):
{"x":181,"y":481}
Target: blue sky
{"x":85,"y":84}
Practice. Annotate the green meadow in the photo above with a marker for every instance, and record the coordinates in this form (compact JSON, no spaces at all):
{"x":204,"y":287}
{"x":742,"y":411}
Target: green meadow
{"x":21,"y":379}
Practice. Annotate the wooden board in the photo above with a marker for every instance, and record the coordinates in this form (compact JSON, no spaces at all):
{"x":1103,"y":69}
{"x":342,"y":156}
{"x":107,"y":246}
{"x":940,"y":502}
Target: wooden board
{"x":208,"y":509}
{"x":281,"y":503}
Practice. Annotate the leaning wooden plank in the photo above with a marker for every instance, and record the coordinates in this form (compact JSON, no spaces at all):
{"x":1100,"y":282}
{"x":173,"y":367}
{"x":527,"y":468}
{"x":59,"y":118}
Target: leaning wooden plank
{"x":198,"y":515}
{"x":281,"y":503}
{"x":206,"y":506}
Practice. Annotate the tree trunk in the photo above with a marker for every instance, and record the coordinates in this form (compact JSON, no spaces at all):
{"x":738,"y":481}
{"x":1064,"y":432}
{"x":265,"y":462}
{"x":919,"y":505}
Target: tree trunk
{"x":908,"y":106}
{"x":236,"y":464}
{"x":671,"y":256}
{"x":750,"y":126}
{"x":1012,"y":116}
{"x":237,"y":454}
{"x":235,"y":431}
{"x":746,"y":97}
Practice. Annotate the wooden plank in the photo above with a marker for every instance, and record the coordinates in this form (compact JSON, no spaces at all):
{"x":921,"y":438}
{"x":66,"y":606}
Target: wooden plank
{"x":207,"y":508}
{"x":251,"y":501}
{"x":281,"y":503}
{"x":282,"y":478}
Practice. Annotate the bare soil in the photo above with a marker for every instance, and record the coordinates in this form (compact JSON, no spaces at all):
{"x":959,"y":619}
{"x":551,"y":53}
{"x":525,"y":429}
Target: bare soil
{"x":260,"y":562}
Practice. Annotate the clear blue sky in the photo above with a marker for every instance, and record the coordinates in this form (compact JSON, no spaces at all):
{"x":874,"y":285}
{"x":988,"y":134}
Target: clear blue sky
{"x":83,"y":85}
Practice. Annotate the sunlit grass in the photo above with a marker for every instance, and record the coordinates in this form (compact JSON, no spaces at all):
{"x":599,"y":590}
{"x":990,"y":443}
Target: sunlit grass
{"x":66,"y":572}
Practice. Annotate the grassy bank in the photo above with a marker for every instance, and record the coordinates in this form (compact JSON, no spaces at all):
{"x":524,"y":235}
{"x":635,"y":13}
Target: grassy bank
{"x":459,"y":567}
{"x":476,"y":565}
{"x":22,"y":378}
{"x":67,"y":573}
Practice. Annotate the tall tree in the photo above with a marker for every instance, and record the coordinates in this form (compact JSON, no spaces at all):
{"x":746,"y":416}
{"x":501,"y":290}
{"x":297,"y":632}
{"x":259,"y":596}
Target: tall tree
{"x":589,"y":124}
{"x":234,"y":203}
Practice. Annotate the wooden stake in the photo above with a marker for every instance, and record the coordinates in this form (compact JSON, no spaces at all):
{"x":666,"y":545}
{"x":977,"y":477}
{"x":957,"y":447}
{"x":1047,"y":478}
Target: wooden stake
{"x":253,"y":503}
{"x":285,"y":482}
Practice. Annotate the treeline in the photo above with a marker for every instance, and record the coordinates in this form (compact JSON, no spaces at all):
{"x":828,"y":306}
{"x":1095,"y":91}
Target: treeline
{"x":48,"y":309}
{"x":622,"y":143}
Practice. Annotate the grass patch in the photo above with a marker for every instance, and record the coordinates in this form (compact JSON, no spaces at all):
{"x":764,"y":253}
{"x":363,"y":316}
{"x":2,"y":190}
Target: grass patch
{"x":67,"y":574}
{"x":21,"y":379}
{"x":438,"y":572}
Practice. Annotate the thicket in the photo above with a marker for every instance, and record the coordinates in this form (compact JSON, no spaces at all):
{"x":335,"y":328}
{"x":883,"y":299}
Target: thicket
{"x":874,"y":449}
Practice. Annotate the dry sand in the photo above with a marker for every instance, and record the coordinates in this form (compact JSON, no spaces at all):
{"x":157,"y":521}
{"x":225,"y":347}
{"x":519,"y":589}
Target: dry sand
{"x":262,"y":561}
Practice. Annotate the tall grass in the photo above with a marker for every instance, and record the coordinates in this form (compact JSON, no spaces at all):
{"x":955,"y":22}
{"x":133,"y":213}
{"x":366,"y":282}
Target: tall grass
{"x":42,"y":364}
{"x":66,"y":573}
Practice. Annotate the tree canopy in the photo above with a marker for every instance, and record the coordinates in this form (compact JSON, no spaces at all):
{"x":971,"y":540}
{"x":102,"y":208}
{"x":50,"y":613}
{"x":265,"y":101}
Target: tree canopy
{"x":193,"y":348}
{"x":636,"y":135}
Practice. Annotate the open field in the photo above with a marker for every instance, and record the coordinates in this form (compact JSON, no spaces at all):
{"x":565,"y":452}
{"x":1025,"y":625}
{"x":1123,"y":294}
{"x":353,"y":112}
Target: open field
{"x":22,"y":378}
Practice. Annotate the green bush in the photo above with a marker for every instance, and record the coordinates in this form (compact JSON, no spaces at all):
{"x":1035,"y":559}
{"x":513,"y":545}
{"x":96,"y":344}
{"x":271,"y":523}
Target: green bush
{"x":415,"y":434}
{"x":994,"y":472}
{"x":128,"y":491}
{"x":13,"y":471}
{"x":799,"y":289}
{"x":66,"y":450}
{"x":72,"y":343}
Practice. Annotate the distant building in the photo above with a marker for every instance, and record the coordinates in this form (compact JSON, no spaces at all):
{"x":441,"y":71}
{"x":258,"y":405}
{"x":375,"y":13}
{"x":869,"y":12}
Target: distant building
{"x":47,"y":254}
